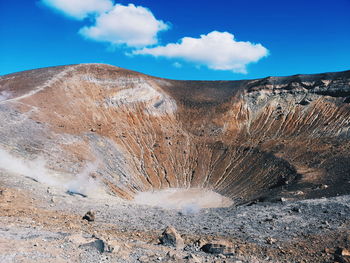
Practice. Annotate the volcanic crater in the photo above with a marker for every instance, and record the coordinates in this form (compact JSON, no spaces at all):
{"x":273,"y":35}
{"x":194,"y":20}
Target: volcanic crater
{"x":246,"y":140}
{"x":271,"y":152}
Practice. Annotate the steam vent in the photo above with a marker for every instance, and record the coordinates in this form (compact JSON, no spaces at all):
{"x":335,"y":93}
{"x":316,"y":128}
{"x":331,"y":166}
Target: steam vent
{"x":245,"y":140}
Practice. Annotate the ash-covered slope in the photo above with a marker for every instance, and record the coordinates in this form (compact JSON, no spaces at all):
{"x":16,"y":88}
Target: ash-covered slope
{"x":277,"y":136}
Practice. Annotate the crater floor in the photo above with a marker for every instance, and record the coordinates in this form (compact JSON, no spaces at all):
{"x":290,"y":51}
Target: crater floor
{"x":189,"y":200}
{"x":40,"y":224}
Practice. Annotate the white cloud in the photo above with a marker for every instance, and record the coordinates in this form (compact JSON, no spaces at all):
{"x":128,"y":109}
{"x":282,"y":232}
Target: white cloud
{"x":132,"y":25}
{"x":79,"y":9}
{"x":216,"y":50}
{"x":136,"y":27}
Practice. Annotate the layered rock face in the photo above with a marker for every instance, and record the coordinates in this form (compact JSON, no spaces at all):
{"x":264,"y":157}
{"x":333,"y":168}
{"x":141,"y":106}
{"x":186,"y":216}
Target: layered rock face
{"x":243,"y":139}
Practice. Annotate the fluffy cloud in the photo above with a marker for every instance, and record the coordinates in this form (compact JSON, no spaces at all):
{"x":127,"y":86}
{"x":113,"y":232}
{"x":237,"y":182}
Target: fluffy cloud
{"x":79,"y":9}
{"x":132,"y":25}
{"x":216,"y":50}
{"x":136,"y":27}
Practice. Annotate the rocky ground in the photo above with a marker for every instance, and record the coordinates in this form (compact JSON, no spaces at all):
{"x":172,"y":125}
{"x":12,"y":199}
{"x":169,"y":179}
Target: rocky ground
{"x":45,"y":224}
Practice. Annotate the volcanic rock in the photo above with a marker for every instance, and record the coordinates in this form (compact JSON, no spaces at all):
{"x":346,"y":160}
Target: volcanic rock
{"x":193,"y":259}
{"x":144,"y":259}
{"x":218,"y":247}
{"x":342,"y":255}
{"x":270,"y":240}
{"x":199,"y":243}
{"x":89,"y":216}
{"x":170,"y":237}
{"x":343,"y":252}
{"x":174,"y":256}
{"x":296,"y":209}
{"x":112,"y":246}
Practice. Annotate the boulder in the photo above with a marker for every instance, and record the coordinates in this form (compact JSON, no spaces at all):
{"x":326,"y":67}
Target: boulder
{"x":170,"y":237}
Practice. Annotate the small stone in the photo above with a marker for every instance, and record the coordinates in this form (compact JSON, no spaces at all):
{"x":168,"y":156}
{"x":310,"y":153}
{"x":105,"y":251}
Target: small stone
{"x":193,"y":259}
{"x":221,"y":256}
{"x":270,"y":240}
{"x":325,"y":223}
{"x":304,"y":102}
{"x":343,"y":252}
{"x":296,"y":209}
{"x":200,"y":243}
{"x":218,"y":247}
{"x":342,"y":255}
{"x":144,"y":259}
{"x":89,"y":216}
{"x":113,"y":246}
{"x":327,"y":251}
{"x":172,"y":255}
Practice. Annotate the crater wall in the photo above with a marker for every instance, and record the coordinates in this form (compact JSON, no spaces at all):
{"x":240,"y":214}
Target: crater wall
{"x":249,"y":139}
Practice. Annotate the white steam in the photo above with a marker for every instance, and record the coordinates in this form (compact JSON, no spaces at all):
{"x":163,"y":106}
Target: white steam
{"x":190,"y":201}
{"x":34,"y":169}
{"x":81,"y":183}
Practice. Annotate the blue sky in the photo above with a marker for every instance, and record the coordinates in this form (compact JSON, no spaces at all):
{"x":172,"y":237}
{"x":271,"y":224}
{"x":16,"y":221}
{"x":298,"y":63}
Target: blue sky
{"x":180,"y":39}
